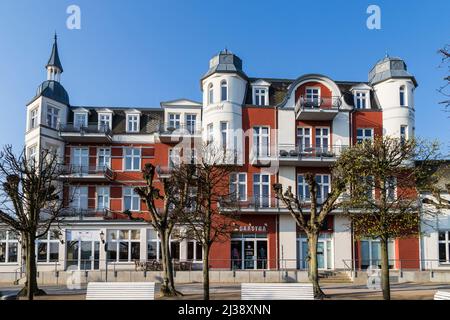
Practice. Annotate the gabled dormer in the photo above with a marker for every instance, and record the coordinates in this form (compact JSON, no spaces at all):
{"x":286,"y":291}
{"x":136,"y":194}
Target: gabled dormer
{"x":361,"y":96}
{"x":260,"y":92}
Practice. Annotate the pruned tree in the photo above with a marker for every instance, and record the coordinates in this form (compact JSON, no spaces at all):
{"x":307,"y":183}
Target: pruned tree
{"x":445,"y":55}
{"x":310,"y":214}
{"x":31,"y":202}
{"x":213,"y":207}
{"x":174,"y":198}
{"x":384,"y":201}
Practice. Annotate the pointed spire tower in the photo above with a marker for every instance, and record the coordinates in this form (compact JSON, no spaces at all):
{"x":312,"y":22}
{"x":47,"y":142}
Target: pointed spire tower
{"x":54,"y":67}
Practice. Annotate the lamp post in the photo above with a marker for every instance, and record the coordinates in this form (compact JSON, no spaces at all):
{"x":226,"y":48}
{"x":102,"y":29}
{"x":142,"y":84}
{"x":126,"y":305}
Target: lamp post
{"x":102,"y":239}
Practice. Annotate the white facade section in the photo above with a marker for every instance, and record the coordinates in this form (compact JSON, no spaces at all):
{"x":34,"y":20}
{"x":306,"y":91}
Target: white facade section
{"x":288,"y":241}
{"x":342,"y":242}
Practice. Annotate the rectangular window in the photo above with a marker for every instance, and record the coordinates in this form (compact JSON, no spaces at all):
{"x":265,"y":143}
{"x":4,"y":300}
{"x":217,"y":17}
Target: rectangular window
{"x":210,"y":133}
{"x":238,"y":186}
{"x":132,"y":159}
{"x":313,"y":96}
{"x":191,"y":123}
{"x":444,"y":246}
{"x":322,"y":139}
{"x":34,"y":118}
{"x":304,"y":139}
{"x":260,"y":97}
{"x":104,"y":158}
{"x":80,"y":120}
{"x":52,"y":117}
{"x":124,"y":245}
{"x":391,"y":187}
{"x":79,"y":200}
{"x":131,"y":200}
{"x":32,"y":153}
{"x":47,"y":247}
{"x":261,"y":190}
{"x":174,"y":158}
{"x":364,"y":134}
{"x":261,"y":141}
{"x":403,"y":134}
{"x":223,"y":134}
{"x":132,"y":123}
{"x":303,"y":189}
{"x":80,"y":160}
{"x":361,"y":100}
{"x":402,"y":96}
{"x":102,"y":198}
{"x":104,"y":122}
{"x":174,"y":121}
{"x":323,"y":187}
{"x":194,"y":251}
{"x":8,"y":247}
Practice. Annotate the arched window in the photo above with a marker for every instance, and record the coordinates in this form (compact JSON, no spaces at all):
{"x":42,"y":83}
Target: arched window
{"x":223,"y":91}
{"x":210,"y":94}
{"x":402,"y":96}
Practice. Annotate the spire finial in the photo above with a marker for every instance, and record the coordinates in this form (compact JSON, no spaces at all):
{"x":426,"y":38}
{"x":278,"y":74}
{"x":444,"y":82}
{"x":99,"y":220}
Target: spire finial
{"x":386,"y":55}
{"x":56,"y":36}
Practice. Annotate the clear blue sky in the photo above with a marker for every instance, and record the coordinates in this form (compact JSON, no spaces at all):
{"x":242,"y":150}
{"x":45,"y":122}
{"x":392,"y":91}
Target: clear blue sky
{"x":138,"y":53}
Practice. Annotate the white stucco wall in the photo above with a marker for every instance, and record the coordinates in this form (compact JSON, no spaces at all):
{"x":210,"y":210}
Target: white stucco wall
{"x":342,"y":242}
{"x":288,"y":242}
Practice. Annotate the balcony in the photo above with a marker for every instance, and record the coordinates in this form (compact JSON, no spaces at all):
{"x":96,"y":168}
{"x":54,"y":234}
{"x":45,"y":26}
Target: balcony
{"x":291,"y":155}
{"x":90,"y":133}
{"x":87,"y":173}
{"x":317,"y":108}
{"x":84,"y":214}
{"x":170,"y":133}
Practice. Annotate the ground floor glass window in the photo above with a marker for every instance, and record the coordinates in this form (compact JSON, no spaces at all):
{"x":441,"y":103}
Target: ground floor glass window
{"x":249,"y":251}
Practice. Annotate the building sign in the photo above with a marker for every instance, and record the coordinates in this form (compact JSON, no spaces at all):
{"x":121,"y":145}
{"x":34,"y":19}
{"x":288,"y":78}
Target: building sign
{"x":252,"y":228}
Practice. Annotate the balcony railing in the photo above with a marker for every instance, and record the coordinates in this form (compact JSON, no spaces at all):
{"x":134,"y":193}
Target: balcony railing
{"x":178,"y":129}
{"x":86,"y":171}
{"x":309,"y":152}
{"x":91,"y":128}
{"x":80,"y":214}
{"x":321,"y":102}
{"x":89,"y":133}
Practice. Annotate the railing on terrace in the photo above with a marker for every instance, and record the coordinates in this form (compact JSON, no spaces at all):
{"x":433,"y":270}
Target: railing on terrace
{"x":178,"y":129}
{"x":290,"y":151}
{"x":330,"y":103}
{"x":85,"y":213}
{"x":91,"y":128}
{"x":73,"y":169}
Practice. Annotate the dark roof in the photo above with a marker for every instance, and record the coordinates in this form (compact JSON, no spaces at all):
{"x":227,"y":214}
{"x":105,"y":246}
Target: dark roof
{"x":54,"y":57}
{"x":388,"y":68}
{"x":150,"y":120}
{"x":225,"y":62}
{"x":53,"y":90}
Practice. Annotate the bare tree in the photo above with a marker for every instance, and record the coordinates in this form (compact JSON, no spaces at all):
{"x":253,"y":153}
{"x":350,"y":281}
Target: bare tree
{"x":445,"y":54}
{"x":213,"y":206}
{"x":385,"y":183}
{"x":310,"y":214}
{"x":31,"y":202}
{"x":174,"y":200}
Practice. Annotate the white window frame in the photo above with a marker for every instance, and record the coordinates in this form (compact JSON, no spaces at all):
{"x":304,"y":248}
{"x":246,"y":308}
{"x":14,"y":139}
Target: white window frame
{"x":80,"y":198}
{"x":100,"y":121}
{"x":258,"y":143}
{"x":32,"y":153}
{"x":129,"y":192}
{"x":48,"y":240}
{"x":132,"y":156}
{"x":84,"y":116}
{"x":303,"y":136}
{"x":174,"y":120}
{"x":309,"y":96}
{"x":79,"y":165}
{"x":402,"y":96}
{"x":104,"y":152}
{"x":305,"y":189}
{"x":53,"y":114}
{"x":210,"y":94}
{"x":321,"y":186}
{"x":223,"y":84}
{"x":105,"y":196}
{"x":9,"y":241}
{"x":391,"y":253}
{"x":191,"y":122}
{"x":322,"y":138}
{"x":236,"y":183}
{"x":404,"y":135}
{"x":388,"y":189}
{"x":174,"y":158}
{"x":210,"y":132}
{"x":361,"y":97}
{"x":260,"y":185}
{"x":363,"y":137}
{"x":224,"y":134}
{"x":446,"y":242}
{"x":194,"y":249}
{"x":135,"y":120}
{"x":34,"y":118}
{"x":257,"y":95}
{"x":116,"y":242}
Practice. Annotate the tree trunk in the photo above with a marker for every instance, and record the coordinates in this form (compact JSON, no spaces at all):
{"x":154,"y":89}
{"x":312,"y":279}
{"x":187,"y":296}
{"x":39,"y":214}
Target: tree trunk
{"x":205,"y":272}
{"x":31,"y":272}
{"x":168,"y":285}
{"x":385,"y":285}
{"x":313,"y":271}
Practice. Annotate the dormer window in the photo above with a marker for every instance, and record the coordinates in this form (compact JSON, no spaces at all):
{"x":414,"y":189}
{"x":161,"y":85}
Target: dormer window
{"x":402,"y":96}
{"x":223,"y":91}
{"x":80,"y":120}
{"x":361,"y":100}
{"x":132,"y":123}
{"x":210,"y":94}
{"x":260,"y":92}
{"x":313,"y":95}
{"x":104,"y":121}
{"x":174,"y":121}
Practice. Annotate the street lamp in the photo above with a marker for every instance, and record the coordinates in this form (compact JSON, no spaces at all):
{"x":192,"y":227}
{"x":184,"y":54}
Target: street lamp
{"x":61,"y":237}
{"x":102,"y":237}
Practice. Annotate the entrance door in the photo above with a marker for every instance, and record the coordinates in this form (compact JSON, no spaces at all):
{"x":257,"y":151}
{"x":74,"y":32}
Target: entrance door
{"x":324,"y":260}
{"x":249,"y":254}
{"x":84,"y":255}
{"x":261,"y":254}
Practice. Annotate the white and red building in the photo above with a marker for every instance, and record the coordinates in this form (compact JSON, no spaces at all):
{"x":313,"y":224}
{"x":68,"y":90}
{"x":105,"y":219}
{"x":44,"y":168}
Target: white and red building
{"x":279,"y":129}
